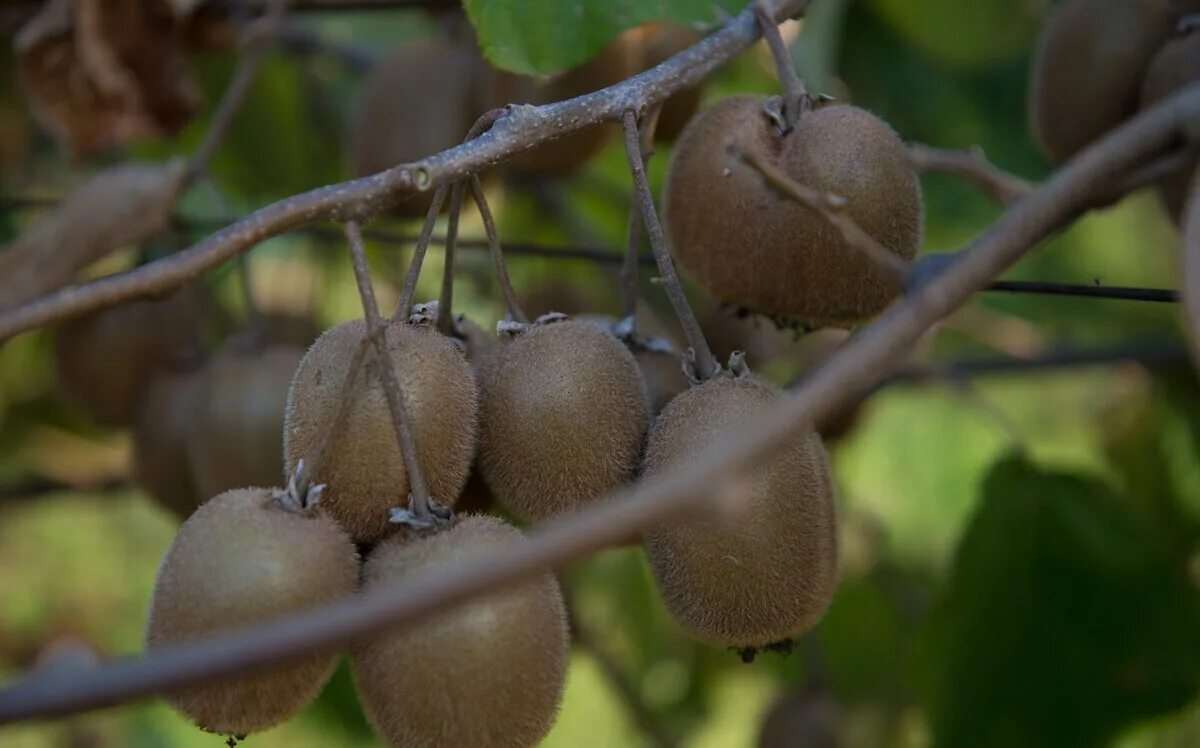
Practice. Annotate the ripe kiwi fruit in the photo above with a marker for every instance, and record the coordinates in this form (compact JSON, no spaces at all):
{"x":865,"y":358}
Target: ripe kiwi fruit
{"x":748,"y":245}
{"x":237,"y":434}
{"x":164,"y":418}
{"x":563,"y":416}
{"x":662,"y":369}
{"x":616,"y":62}
{"x":768,"y":576}
{"x":104,"y":360}
{"x":363,"y":468}
{"x":414,"y":103}
{"x":661,"y":40}
{"x":490,"y":672}
{"x":242,"y":558}
{"x":1087,"y":68}
{"x":1175,"y":66}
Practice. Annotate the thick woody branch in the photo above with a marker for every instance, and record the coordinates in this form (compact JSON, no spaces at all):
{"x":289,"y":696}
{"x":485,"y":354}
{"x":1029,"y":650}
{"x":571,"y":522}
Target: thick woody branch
{"x":523,"y":127}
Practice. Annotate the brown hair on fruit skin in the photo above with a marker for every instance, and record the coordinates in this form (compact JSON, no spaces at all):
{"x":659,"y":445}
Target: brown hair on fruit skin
{"x":241,"y":559}
{"x":1175,"y":66}
{"x":164,"y":418}
{"x":488,"y":673}
{"x":769,"y":574}
{"x":563,"y":416}
{"x":748,"y":245}
{"x":363,"y":468}
{"x":1087,"y":67}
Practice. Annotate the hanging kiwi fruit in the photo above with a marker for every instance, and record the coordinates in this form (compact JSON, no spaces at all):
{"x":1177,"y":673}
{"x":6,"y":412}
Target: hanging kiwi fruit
{"x":165,"y":416}
{"x":499,"y":663}
{"x":749,"y":246}
{"x":1175,"y":66}
{"x":363,"y":469}
{"x":245,"y":557}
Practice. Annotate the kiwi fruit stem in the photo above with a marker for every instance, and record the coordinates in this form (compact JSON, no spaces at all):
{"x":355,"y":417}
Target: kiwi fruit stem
{"x":423,"y":511}
{"x":445,"y":320}
{"x":701,"y":363}
{"x":633,"y":236}
{"x":511,"y":306}
{"x":404,"y":303}
{"x":795,"y":97}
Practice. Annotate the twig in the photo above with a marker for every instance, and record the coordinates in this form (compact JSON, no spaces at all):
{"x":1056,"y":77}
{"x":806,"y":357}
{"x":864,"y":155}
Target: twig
{"x":419,"y":505}
{"x":633,"y":233}
{"x":706,"y":366}
{"x":831,"y":207}
{"x":445,"y":319}
{"x":795,"y":95}
{"x":522,"y":128}
{"x":404,"y":303}
{"x":973,"y":166}
{"x":511,"y":305}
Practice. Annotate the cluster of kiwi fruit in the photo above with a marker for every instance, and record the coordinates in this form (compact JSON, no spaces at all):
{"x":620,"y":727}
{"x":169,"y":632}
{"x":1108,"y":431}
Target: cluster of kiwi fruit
{"x":1099,"y":62}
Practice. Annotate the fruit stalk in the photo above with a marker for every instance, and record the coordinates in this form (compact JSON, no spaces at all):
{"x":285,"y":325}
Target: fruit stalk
{"x":705,"y":364}
{"x":511,"y":305}
{"x":633,"y":235}
{"x":445,"y":319}
{"x":404,"y":303}
{"x":795,"y":95}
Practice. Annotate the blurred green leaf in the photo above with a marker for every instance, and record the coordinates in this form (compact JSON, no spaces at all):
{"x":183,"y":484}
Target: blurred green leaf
{"x":1067,"y":618}
{"x":967,"y":35}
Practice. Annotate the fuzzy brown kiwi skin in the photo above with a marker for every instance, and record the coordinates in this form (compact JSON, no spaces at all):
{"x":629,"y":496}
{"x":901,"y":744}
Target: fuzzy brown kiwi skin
{"x":241,"y":559}
{"x":563,"y":417}
{"x":750,"y":246}
{"x":490,"y":673}
{"x":1175,"y":66}
{"x":416,"y":102}
{"x":768,"y":575}
{"x":103,"y":361}
{"x":164,"y":418}
{"x":237,"y":434}
{"x":1087,"y":68}
{"x":363,"y":469}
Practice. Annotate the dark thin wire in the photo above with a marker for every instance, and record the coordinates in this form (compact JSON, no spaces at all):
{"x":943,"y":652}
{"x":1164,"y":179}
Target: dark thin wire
{"x":1049,"y":288}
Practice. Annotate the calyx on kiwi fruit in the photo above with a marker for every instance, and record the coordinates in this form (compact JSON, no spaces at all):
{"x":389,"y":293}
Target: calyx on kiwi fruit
{"x":1175,"y":66}
{"x":103,"y":361}
{"x":769,"y":575}
{"x":165,"y":417}
{"x":1088,"y":67}
{"x":748,"y":245}
{"x":363,"y":469}
{"x":563,"y":415}
{"x":490,"y":672}
{"x":244,"y":557}
{"x":236,"y":437}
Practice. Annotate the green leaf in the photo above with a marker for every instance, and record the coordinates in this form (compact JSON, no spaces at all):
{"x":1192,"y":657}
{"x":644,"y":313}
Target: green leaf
{"x":544,"y":36}
{"x":1067,"y":618}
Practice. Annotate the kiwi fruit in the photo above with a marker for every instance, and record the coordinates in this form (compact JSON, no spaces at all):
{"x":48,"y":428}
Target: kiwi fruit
{"x":103,"y":361}
{"x":1087,"y":68}
{"x":363,"y":469}
{"x":654,"y":351}
{"x":562,"y":419}
{"x":661,"y":40}
{"x":237,"y":434}
{"x":488,"y":673}
{"x":1175,"y":66}
{"x":242,"y":558}
{"x":616,"y":62}
{"x":750,"y":246}
{"x":164,"y":419}
{"x":769,"y":575}
{"x":802,"y":719}
{"x":414,"y":103}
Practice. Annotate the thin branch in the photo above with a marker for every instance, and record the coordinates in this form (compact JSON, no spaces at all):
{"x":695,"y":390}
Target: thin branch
{"x":706,"y":365}
{"x":795,"y":95}
{"x":973,"y":166}
{"x":511,"y":305}
{"x":522,"y":128}
{"x":832,"y":208}
{"x":445,"y":318}
{"x":703,"y":480}
{"x":633,"y":233}
{"x":420,"y":505}
{"x":404,"y":303}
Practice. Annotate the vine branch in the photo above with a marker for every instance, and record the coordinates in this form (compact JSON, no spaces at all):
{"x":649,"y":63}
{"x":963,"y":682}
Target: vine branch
{"x":970,"y":165}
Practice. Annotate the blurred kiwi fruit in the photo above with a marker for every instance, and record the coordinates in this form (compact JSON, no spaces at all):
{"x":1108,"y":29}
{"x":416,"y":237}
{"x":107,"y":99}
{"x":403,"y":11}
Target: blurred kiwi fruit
{"x":104,"y":360}
{"x":562,"y":419}
{"x":660,"y":40}
{"x":750,"y":246}
{"x":165,"y":417}
{"x":1088,"y":66}
{"x":807,"y":718}
{"x":363,"y":469}
{"x":487,"y":673}
{"x":242,"y":558}
{"x":1175,"y":66}
{"x":768,"y":574}
{"x":236,"y":437}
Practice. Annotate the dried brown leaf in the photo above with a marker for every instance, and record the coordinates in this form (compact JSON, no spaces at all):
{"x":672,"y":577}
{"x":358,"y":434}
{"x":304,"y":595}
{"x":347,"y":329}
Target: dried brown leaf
{"x":119,"y":207}
{"x":102,"y":72}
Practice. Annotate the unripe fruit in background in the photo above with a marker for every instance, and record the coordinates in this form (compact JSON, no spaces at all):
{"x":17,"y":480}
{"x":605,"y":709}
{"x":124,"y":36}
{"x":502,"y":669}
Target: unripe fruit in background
{"x":165,"y":417}
{"x":768,"y":575}
{"x":1087,"y":68}
{"x":237,"y":433}
{"x":748,"y":245}
{"x":363,"y":469}
{"x":243,"y":558}
{"x":103,"y":361}
{"x":487,"y":673}
{"x":563,"y":415}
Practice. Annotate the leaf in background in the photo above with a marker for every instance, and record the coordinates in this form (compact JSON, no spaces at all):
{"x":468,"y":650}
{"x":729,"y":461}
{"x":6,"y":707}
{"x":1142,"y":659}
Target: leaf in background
{"x":970,"y":35}
{"x":544,"y":36}
{"x":1067,"y":618}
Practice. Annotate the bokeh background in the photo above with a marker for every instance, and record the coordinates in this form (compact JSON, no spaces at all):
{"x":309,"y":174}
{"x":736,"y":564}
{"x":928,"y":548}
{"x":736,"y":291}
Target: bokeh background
{"x":1020,"y":548}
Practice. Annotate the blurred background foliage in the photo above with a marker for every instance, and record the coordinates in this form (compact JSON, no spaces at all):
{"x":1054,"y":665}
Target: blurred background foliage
{"x":1020,"y":551}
